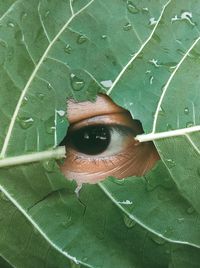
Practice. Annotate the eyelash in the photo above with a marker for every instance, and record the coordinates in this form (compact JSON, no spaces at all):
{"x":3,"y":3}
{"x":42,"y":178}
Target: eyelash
{"x":125,"y":135}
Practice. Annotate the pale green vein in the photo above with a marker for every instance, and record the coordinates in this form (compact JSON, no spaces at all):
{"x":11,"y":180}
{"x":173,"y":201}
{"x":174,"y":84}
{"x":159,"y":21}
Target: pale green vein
{"x":169,"y":81}
{"x":139,"y":51}
{"x":24,"y":91}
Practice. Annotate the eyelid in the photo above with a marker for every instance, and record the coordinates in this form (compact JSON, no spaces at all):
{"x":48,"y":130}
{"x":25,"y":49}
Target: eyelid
{"x":120,"y":121}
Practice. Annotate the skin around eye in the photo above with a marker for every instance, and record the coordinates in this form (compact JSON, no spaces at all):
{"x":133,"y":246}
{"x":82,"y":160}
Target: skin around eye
{"x":100,"y":143}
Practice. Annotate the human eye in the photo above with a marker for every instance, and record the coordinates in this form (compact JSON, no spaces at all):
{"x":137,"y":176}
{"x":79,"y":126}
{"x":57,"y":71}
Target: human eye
{"x":101,"y":145}
{"x":99,"y":140}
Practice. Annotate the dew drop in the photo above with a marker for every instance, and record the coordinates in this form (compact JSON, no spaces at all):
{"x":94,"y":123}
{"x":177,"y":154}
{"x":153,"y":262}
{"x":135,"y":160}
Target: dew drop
{"x":61,"y":113}
{"x":10,"y":24}
{"x":104,"y":36}
{"x":186,"y":110}
{"x":170,"y":163}
{"x":68,"y":49}
{"x":76,"y":83}
{"x":25,"y":122}
{"x":129,"y":222}
{"x":168,"y":232}
{"x":132,"y":8}
{"x":169,"y":126}
{"x":117,"y":181}
{"x":180,"y":220}
{"x":127,"y":26}
{"x":187,"y":16}
{"x":23,"y":15}
{"x":25,"y":100}
{"x":49,"y":165}
{"x":40,"y":96}
{"x":151,"y":79}
{"x":85,"y":259}
{"x":46,"y":13}
{"x":157,"y":239}
{"x":49,"y":87}
{"x":152,"y":21}
{"x":50,"y":125}
{"x":81,"y":39}
{"x":190,"y":124}
{"x":161,"y":111}
{"x":190,"y":210}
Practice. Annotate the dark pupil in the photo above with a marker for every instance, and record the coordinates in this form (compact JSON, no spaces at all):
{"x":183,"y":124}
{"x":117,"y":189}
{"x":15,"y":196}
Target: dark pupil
{"x":91,"y":139}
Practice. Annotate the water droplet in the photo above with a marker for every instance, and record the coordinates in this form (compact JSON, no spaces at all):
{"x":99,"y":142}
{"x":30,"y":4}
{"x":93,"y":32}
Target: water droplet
{"x":4,"y":197}
{"x":190,"y":210}
{"x":157,"y":239}
{"x":145,"y":9}
{"x":107,"y":83}
{"x":127,"y":26}
{"x":190,"y":124}
{"x":61,"y":113}
{"x":129,"y":222}
{"x":81,"y":39}
{"x":187,"y":16}
{"x":161,"y":111}
{"x":117,"y":181}
{"x":10,"y":24}
{"x":49,"y":87}
{"x":68,"y":49}
{"x":23,"y":15}
{"x":46,"y":13}
{"x":180,"y":220}
{"x":50,"y":165}
{"x":50,"y":125}
{"x":77,"y":83}
{"x":151,"y":79}
{"x":25,"y":122}
{"x":132,"y":8}
{"x":40,"y":96}
{"x":168,"y":232}
{"x":170,"y":163}
{"x":152,"y":21}
{"x":154,"y":62}
{"x":169,"y":126}
{"x":104,"y":36}
{"x":25,"y":100}
{"x":186,"y":110}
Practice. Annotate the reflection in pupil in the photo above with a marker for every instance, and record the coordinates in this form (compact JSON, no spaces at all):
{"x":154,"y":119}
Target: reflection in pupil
{"x":90,"y":140}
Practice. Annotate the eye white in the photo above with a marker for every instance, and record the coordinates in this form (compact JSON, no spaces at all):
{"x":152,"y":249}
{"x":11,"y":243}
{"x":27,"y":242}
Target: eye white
{"x":118,"y":141}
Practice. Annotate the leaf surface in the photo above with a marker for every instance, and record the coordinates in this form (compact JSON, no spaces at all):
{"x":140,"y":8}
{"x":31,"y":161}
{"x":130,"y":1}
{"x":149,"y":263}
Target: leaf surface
{"x":53,"y":50}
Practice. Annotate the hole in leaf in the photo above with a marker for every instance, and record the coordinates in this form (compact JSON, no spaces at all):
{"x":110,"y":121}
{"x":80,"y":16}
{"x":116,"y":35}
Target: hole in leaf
{"x":100,"y":143}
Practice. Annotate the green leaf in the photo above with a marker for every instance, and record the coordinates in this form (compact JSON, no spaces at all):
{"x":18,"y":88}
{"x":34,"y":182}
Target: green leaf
{"x":54,"y":50}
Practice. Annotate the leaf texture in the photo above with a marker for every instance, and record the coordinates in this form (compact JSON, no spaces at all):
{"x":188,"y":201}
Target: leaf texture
{"x":53,"y":50}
